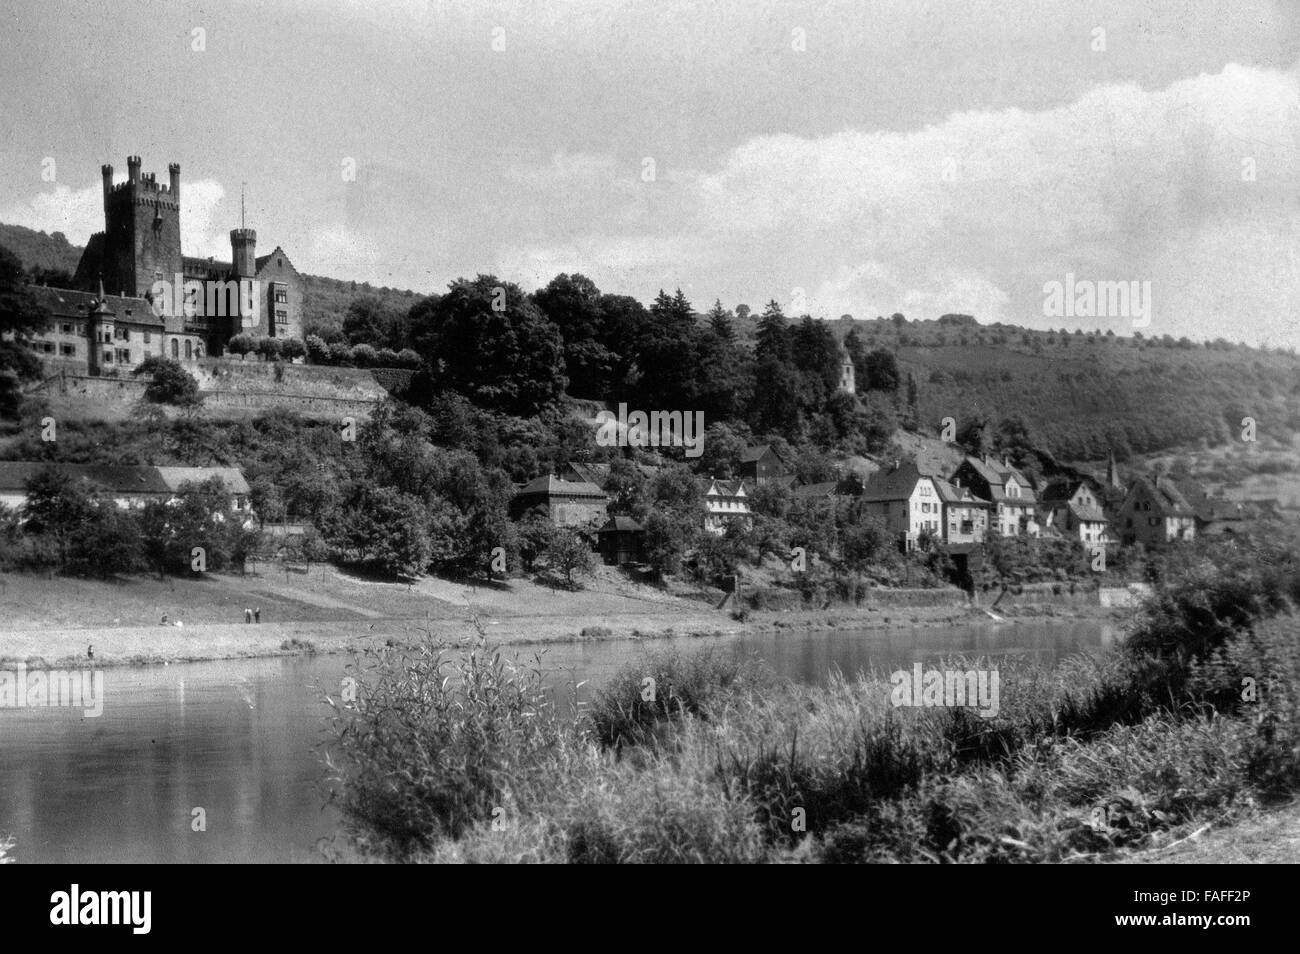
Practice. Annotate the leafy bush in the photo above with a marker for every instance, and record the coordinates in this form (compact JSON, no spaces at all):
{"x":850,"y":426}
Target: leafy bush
{"x":437,"y":743}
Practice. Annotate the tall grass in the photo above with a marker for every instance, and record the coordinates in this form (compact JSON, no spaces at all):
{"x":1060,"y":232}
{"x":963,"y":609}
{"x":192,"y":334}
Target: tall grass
{"x":463,"y":759}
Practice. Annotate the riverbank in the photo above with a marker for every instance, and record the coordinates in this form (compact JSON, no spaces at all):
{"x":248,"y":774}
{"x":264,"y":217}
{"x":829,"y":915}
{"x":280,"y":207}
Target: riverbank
{"x":59,"y":621}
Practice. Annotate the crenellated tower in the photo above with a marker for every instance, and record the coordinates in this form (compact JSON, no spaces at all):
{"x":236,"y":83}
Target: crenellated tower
{"x":141,"y":242}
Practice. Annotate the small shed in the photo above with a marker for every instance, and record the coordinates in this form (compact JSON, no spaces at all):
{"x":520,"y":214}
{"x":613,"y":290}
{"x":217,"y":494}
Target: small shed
{"x":620,"y":541}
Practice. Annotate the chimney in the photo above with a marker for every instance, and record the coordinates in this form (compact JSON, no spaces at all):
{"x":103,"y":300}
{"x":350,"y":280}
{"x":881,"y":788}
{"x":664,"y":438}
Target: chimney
{"x":133,"y":168}
{"x":174,"y":169}
{"x":107,"y":172}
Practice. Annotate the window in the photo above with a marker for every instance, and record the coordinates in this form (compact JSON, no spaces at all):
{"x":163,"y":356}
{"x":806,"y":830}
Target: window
{"x":108,"y":356}
{"x":146,"y":337}
{"x":123,"y":356}
{"x":281,"y":294}
{"x":189,"y":349}
{"x":66,"y":328}
{"x":176,"y":348}
{"x":48,"y":347}
{"x":281,"y":317}
{"x":68,"y":350}
{"x":81,"y":327}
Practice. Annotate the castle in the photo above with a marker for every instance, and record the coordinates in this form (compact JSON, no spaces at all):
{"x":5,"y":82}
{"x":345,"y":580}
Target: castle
{"x":136,"y":295}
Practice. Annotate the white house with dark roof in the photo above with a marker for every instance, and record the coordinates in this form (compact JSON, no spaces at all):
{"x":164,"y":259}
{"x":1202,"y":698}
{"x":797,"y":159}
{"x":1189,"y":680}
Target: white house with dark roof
{"x":1071,"y":508}
{"x":725,"y":501}
{"x":1009,"y":490}
{"x":130,"y":485}
{"x":907,"y":502}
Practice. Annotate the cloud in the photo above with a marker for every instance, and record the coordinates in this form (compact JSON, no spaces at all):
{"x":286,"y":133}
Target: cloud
{"x":79,"y":213}
{"x":1191,"y":187}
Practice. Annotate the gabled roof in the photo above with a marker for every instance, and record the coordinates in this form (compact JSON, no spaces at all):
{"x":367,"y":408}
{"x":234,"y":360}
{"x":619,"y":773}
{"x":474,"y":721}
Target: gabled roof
{"x":64,"y":303}
{"x":621,"y":525}
{"x":893,"y":483}
{"x":751,"y":454}
{"x":589,"y":472}
{"x":727,"y":488}
{"x":276,"y":252}
{"x":1086,"y":514}
{"x":825,"y":489}
{"x":1166,"y":495}
{"x":996,"y":475}
{"x":550,"y":485}
{"x":951,"y":494}
{"x":176,"y":477}
{"x":115,"y":478}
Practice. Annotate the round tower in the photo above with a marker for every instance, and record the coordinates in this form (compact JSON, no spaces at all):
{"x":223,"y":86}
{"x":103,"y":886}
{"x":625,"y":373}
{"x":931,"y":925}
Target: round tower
{"x":243,"y":249}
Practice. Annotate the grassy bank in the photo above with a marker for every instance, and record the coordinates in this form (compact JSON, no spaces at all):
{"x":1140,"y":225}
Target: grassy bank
{"x":453,"y":756}
{"x":54,"y":619}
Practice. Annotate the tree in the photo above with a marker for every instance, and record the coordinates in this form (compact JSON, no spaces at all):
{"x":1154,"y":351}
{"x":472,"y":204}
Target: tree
{"x":568,"y":553}
{"x":488,"y":341}
{"x":292,"y":348}
{"x":269,"y":348}
{"x":169,"y":382}
{"x":241,"y":344}
{"x":720,"y":322}
{"x":773,"y":337}
{"x":881,"y":371}
{"x":663,"y":543}
{"x":572,"y":303}
{"x":21,"y":315}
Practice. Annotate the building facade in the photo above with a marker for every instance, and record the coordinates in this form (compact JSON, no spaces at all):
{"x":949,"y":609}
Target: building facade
{"x":725,"y":502}
{"x":135,"y":294}
{"x":1155,"y":513}
{"x":1010,"y":492}
{"x":907,"y":502}
{"x":565,"y":503}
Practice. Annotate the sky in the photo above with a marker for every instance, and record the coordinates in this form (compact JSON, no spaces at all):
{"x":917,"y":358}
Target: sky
{"x":863,"y":157}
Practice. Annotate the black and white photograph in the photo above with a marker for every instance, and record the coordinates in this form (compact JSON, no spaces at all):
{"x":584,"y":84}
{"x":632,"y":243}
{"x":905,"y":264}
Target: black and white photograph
{"x":684,"y":432}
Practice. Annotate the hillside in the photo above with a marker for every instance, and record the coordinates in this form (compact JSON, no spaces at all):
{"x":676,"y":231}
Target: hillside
{"x":1081,"y":394}
{"x":40,"y":250}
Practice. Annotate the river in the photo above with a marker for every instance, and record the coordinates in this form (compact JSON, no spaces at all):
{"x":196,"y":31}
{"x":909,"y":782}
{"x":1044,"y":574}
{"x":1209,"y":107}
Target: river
{"x":239,"y":740}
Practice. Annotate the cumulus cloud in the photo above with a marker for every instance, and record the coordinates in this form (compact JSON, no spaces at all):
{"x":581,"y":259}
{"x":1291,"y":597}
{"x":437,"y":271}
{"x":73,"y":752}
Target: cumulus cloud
{"x":1191,"y":187}
{"x":79,"y":213}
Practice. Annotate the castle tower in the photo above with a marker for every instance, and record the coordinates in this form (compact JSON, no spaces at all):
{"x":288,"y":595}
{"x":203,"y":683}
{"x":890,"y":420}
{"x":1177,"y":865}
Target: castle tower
{"x":243,"y":253}
{"x":98,"y":320}
{"x":847,"y":383}
{"x":142,"y":234}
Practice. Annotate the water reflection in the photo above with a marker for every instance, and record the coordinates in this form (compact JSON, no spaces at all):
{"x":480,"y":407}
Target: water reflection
{"x":238,"y":740}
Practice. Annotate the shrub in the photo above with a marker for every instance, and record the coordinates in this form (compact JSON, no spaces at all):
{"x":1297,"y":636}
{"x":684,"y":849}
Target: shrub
{"x":629,"y":710}
{"x":437,"y":742}
{"x":364,"y":356}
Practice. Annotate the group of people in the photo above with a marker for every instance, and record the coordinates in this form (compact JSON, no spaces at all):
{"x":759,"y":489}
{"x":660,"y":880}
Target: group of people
{"x":253,"y":615}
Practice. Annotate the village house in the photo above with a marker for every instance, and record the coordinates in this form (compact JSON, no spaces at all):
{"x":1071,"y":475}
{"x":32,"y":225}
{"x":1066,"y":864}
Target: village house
{"x":762,"y":464}
{"x":726,"y":501}
{"x":620,"y":541}
{"x":1010,"y":492}
{"x":1154,"y":513}
{"x":965,"y":516}
{"x":1071,"y":508}
{"x":565,"y":503}
{"x":131,"y":486}
{"x":906,"y":501}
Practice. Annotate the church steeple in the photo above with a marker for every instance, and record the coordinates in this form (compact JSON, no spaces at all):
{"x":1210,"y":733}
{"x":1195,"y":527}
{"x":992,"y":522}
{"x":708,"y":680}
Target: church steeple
{"x":1112,"y":473}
